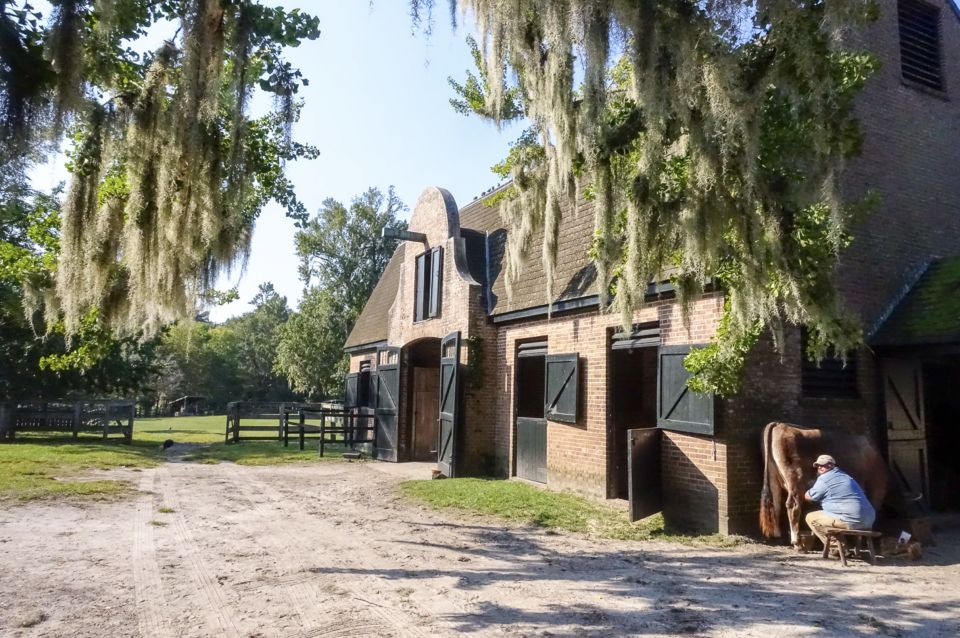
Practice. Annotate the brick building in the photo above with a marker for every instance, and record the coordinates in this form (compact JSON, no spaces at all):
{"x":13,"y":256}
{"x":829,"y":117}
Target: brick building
{"x":550,"y":396}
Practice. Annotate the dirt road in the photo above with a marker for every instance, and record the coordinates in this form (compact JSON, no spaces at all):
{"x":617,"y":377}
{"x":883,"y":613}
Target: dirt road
{"x":332,"y":550}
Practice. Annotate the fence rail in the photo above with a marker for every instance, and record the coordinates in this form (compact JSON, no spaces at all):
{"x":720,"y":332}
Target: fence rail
{"x":345,"y":426}
{"x":101,"y":417}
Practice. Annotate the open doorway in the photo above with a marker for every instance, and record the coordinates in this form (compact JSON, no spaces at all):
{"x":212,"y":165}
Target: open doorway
{"x":631,"y":398}
{"x":531,"y":422}
{"x":423,"y":360}
{"x":941,"y":380}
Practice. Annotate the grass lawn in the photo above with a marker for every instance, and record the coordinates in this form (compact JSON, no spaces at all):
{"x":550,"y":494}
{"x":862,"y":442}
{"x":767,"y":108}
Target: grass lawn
{"x":36,"y":466}
{"x":523,"y":503}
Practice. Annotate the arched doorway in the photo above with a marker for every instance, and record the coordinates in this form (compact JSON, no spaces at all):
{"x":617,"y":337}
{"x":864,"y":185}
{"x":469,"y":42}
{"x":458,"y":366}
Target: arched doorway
{"x":422,"y":359}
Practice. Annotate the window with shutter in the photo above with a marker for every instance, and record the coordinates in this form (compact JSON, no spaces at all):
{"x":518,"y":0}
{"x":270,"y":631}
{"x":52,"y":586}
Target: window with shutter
{"x":429,"y":276}
{"x":678,"y":407}
{"x":920,"y":55}
{"x":562,"y":387}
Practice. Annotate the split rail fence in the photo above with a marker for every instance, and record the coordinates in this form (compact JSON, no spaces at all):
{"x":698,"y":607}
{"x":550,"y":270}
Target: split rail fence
{"x":100,"y":417}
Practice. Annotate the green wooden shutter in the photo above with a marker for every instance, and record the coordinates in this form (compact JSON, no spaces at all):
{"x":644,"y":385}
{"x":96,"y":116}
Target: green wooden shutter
{"x":350,"y":391}
{"x":561,"y":387}
{"x":436,"y":279}
{"x":420,"y":289}
{"x":678,"y":407}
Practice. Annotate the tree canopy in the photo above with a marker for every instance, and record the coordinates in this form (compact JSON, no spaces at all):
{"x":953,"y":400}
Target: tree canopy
{"x":711,"y":137}
{"x":168,"y":168}
{"x":342,"y":255}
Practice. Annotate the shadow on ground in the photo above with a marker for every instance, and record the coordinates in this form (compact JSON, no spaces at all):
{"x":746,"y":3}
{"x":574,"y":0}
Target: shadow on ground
{"x":684,"y":591}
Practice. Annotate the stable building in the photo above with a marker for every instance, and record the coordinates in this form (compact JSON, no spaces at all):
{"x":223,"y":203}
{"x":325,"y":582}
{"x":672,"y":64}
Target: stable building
{"x":557,"y":392}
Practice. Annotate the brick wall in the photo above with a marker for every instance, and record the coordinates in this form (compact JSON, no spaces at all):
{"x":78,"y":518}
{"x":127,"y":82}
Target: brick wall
{"x":577,"y":455}
{"x":910,"y":155}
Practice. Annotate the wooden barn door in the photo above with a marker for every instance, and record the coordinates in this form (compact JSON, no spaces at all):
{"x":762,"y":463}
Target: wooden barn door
{"x":449,"y":403}
{"x":906,"y":424}
{"x":385,"y":406}
{"x":643,"y":463}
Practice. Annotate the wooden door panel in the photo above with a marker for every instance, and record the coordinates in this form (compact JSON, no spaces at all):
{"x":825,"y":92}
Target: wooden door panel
{"x":532,"y":449}
{"x":426,"y":406}
{"x":386,"y":402}
{"x":643,"y":463}
{"x":449,"y":403}
{"x":903,"y":397}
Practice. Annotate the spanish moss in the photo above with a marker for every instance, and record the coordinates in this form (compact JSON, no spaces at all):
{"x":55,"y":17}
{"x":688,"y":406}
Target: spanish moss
{"x":710,"y":136}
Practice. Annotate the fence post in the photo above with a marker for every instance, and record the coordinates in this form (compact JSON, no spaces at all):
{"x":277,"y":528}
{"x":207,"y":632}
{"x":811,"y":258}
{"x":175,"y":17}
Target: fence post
{"x":6,"y":419}
{"x":226,"y":432}
{"x":130,"y":417}
{"x":77,"y":417}
{"x":286,"y":429}
{"x":302,"y":428}
{"x":236,"y":425}
{"x":106,"y":420}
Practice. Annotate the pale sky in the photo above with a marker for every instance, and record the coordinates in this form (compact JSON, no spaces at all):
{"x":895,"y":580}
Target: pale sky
{"x":377,"y":108}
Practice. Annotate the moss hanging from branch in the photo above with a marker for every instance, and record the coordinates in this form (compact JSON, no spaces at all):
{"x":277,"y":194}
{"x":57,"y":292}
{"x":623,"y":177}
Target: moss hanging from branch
{"x":711,"y":136}
{"x":169,"y":171}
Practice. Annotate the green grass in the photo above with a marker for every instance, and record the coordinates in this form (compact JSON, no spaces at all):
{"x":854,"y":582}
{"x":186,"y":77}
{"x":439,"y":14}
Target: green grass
{"x":182,"y":429}
{"x":523,"y":503}
{"x":34,"y":467}
{"x":39,"y":466}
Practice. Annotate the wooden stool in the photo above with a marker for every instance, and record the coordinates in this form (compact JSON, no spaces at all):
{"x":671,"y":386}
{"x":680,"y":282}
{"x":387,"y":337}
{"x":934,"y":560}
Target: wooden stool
{"x":859,"y":536}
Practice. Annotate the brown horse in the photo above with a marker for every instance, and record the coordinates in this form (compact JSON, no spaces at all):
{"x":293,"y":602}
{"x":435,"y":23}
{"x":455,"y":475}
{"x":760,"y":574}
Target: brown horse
{"x":788,"y":455}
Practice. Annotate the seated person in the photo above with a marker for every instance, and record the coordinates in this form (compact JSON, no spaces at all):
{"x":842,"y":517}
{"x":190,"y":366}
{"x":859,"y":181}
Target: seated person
{"x":842,"y":501}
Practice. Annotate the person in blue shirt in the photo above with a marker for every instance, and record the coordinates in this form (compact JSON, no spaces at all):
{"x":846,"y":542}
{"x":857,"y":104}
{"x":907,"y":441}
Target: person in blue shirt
{"x":842,"y":501}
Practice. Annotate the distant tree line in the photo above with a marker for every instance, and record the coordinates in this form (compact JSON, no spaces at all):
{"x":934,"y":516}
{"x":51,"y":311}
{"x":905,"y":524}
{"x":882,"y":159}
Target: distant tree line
{"x":270,"y":353}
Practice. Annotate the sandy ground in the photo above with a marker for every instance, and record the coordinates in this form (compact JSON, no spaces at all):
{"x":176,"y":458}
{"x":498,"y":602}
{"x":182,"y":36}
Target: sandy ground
{"x":333,"y":550}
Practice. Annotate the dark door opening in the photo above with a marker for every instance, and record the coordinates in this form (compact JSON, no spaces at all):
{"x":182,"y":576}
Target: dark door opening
{"x":632,"y":401}
{"x":941,"y":381}
{"x":531,"y":428}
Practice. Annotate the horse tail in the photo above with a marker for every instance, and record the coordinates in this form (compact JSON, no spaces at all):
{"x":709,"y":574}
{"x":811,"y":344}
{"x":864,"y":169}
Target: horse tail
{"x":769,"y":524}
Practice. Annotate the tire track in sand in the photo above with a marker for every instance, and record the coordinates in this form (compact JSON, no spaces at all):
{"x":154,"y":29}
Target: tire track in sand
{"x":394,"y":619}
{"x":215,"y":610}
{"x":147,"y":586}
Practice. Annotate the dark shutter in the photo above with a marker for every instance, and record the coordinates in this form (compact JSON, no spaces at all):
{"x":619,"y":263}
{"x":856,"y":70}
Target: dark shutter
{"x":919,"y":24}
{"x":420,"y":291}
{"x":678,"y":407}
{"x":436,"y":280}
{"x":562,"y":386}
{"x":350,"y":391}
{"x":449,"y":403}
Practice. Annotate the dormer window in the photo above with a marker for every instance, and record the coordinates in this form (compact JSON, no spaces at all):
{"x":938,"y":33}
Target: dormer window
{"x":428,"y":282}
{"x":920,"y":55}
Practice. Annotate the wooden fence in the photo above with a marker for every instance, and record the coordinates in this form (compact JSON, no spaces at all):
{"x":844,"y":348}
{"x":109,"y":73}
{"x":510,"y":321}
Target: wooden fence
{"x":100,"y":417}
{"x":245,"y":420}
{"x":350,"y":427}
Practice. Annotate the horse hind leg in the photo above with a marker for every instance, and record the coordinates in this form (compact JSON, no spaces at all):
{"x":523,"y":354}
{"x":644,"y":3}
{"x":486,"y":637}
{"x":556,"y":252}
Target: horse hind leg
{"x":793,"y":515}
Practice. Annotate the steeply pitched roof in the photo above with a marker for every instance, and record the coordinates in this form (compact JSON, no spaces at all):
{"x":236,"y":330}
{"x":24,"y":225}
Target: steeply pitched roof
{"x":372,"y":324}
{"x":930,"y":313}
{"x":574,"y":276}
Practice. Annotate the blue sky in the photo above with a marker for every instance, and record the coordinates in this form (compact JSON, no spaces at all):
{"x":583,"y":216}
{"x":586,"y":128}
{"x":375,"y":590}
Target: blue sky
{"x":377,"y":108}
